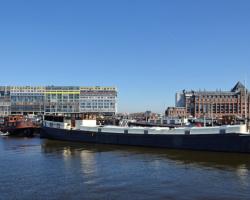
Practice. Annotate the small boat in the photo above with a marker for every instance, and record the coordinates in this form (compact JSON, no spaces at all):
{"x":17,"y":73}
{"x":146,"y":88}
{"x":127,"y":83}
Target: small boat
{"x":4,"y":134}
{"x":230,"y":138}
{"x":19,"y":125}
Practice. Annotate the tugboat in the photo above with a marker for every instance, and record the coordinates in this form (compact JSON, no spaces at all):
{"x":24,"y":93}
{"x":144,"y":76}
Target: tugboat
{"x":19,"y":125}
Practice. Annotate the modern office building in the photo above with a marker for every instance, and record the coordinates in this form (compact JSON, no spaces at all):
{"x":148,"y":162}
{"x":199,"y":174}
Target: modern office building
{"x":26,"y":99}
{"x":4,"y":101}
{"x":98,"y":99}
{"x":61,"y":99}
{"x":212,"y":104}
{"x":57,"y":100}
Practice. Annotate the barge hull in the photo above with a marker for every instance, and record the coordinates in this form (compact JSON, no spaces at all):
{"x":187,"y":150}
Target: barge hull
{"x":207,"y":142}
{"x":21,"y":132}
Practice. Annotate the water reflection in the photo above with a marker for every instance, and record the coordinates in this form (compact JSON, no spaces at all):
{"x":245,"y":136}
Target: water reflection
{"x":88,"y":162}
{"x":47,"y":169}
{"x":19,"y":144}
{"x":66,"y":153}
{"x":86,"y":151}
{"x":242,"y":172}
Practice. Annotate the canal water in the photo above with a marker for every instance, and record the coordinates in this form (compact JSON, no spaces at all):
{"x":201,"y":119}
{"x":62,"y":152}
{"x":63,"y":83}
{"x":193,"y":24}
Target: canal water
{"x":34,"y":168}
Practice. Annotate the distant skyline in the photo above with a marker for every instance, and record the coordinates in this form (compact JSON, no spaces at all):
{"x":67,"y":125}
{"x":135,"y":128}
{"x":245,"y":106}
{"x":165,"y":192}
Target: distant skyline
{"x":149,"y":50}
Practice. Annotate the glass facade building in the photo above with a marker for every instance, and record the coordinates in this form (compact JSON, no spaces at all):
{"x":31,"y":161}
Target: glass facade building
{"x":98,"y":99}
{"x":57,"y":100}
{"x":4,"y":101}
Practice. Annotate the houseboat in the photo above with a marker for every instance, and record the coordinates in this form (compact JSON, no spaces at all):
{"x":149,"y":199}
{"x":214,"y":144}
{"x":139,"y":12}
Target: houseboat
{"x":229,"y":138}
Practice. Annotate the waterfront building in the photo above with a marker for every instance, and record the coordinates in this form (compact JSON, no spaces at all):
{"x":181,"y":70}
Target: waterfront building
{"x":4,"y":101}
{"x":61,"y":99}
{"x":57,"y":100}
{"x":212,"y":104}
{"x":26,"y":99}
{"x":98,"y":99}
{"x":176,"y":112}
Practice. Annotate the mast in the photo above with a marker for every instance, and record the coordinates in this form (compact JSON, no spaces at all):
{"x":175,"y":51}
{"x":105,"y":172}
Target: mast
{"x":212,"y":112}
{"x":245,"y":91}
{"x":247,"y":105}
{"x":246,"y":120}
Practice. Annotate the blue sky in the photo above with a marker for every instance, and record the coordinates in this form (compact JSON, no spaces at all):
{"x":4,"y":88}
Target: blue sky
{"x":149,"y":49}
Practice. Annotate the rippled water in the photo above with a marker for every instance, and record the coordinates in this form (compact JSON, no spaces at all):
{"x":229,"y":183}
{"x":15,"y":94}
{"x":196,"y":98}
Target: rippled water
{"x":45,"y":169}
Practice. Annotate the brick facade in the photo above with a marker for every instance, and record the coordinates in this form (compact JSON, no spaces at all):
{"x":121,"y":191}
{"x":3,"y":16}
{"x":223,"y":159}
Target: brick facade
{"x":176,"y":112}
{"x":214,"y":104}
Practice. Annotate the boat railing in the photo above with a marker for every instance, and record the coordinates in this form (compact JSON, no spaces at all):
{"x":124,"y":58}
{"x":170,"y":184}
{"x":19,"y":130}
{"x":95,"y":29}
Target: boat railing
{"x":237,"y":129}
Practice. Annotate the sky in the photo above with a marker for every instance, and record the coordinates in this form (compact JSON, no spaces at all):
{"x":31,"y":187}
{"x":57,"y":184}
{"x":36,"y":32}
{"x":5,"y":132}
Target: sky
{"x":148,"y":49}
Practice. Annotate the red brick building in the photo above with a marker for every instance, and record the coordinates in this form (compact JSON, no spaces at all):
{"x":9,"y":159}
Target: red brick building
{"x":212,"y":104}
{"x":176,"y":112}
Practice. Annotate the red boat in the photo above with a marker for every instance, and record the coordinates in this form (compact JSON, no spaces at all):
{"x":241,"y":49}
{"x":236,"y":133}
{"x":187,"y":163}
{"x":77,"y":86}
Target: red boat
{"x":19,"y":125}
